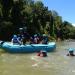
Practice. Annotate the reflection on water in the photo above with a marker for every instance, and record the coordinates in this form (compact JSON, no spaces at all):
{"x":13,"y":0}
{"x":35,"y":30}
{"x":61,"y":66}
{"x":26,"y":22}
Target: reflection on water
{"x":57,"y":63}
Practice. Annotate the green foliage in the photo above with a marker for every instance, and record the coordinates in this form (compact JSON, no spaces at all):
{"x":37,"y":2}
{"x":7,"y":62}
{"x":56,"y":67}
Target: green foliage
{"x":33,"y":15}
{"x":6,"y":29}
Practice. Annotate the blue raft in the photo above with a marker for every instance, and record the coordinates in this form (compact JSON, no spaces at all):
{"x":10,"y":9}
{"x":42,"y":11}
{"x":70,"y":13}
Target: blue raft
{"x":28,"y":48}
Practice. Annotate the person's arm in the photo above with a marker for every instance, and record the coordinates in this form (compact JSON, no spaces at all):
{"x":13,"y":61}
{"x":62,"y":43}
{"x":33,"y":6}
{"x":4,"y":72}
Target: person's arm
{"x":12,"y":40}
{"x":19,"y":41}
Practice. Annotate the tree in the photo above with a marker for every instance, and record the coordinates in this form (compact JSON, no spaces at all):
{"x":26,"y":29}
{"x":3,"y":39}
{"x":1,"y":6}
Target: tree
{"x":6,"y":6}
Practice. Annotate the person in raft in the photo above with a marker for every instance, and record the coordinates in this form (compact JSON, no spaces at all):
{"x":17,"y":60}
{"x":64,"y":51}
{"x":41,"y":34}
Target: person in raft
{"x":42,"y":53}
{"x":45,"y":39}
{"x":15,"y":40}
{"x":36,"y":39}
{"x":71,"y":52}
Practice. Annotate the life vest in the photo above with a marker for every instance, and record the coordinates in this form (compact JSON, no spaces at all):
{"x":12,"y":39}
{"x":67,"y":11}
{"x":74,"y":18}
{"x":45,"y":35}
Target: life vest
{"x":15,"y":40}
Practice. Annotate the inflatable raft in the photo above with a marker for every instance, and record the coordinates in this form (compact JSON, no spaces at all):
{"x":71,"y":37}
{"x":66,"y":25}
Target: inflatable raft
{"x":27,"y":48}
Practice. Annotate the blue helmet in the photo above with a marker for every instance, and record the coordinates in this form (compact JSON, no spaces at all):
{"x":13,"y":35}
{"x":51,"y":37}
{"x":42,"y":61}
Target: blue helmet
{"x":14,"y":36}
{"x":35,"y":35}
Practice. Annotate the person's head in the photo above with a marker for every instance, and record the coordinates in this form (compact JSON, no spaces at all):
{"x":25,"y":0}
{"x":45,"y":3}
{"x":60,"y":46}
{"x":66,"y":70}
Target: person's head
{"x":44,"y":35}
{"x":35,"y":35}
{"x":14,"y":36}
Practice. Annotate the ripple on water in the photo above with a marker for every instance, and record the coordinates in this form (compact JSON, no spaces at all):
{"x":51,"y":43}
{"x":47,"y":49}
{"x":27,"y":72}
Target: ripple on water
{"x":57,"y":63}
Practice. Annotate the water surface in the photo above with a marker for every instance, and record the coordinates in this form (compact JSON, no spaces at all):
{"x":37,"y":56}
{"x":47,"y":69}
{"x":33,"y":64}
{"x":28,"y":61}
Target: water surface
{"x":57,"y":63}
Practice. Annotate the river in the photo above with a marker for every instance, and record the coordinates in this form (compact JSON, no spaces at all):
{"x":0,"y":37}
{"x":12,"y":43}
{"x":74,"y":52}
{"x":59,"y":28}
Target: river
{"x":57,"y":63}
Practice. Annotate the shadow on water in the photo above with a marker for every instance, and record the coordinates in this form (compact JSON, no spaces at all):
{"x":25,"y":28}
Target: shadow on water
{"x":57,"y":63}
